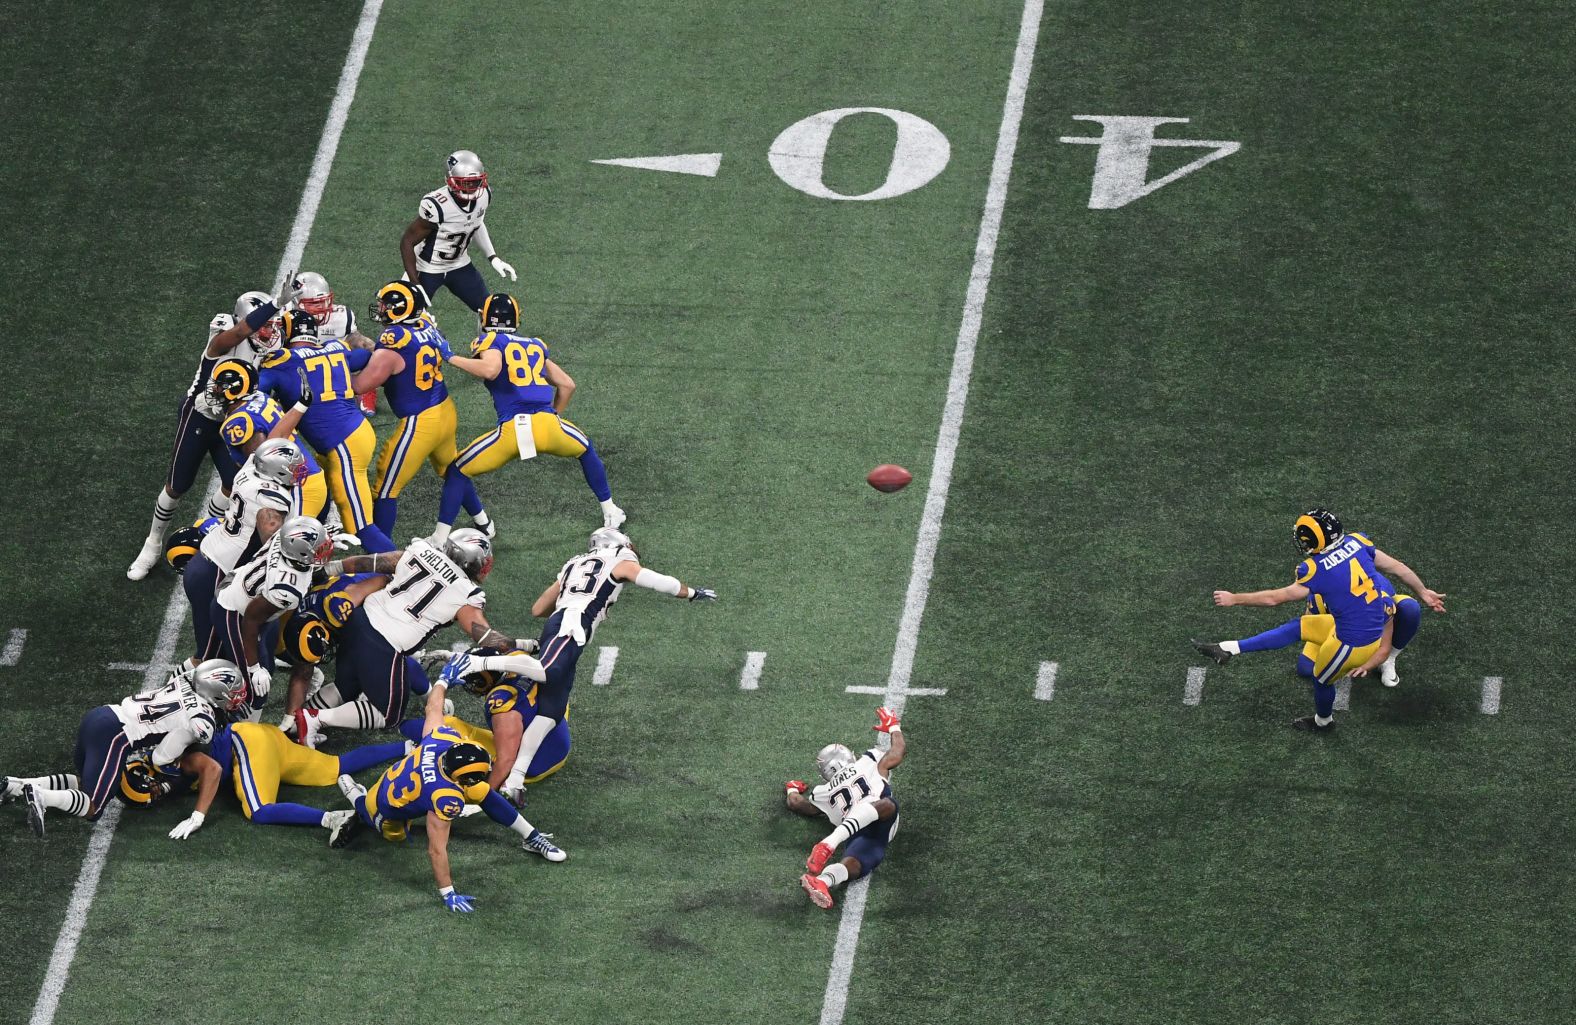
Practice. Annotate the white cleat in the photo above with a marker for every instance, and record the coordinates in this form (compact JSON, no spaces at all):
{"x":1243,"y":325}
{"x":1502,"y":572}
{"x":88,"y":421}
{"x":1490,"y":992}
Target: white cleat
{"x":308,"y":731}
{"x":351,"y":789}
{"x":613,"y":516}
{"x":341,"y":826}
{"x":1387,"y":674}
{"x":146,"y":559}
{"x":542,"y":843}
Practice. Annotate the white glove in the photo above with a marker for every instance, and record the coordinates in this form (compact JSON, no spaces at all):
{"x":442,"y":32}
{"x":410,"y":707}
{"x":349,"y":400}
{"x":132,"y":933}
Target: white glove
{"x":261,"y":680}
{"x":192,"y":823}
{"x":503,"y":269}
{"x":288,"y":292}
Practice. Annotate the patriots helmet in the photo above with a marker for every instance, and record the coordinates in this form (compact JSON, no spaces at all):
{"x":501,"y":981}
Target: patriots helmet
{"x":471,"y":550}
{"x":465,"y":175}
{"x":1316,"y":530}
{"x":316,"y":298}
{"x":281,"y":461}
{"x":221,"y":684}
{"x":611,"y":539}
{"x":304,"y":542}
{"x":263,"y":337}
{"x":833,"y":759}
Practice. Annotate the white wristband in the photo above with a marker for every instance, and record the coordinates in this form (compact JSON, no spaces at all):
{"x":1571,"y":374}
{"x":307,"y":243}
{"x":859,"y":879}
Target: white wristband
{"x":444,"y":891}
{"x":896,"y":729}
{"x":659,"y":582}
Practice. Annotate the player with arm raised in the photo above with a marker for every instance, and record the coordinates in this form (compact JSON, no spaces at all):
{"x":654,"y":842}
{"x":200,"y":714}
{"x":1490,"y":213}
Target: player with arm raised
{"x":857,"y":797}
{"x":242,"y":338}
{"x":435,"y":782}
{"x":435,"y":247}
{"x":575,"y":604}
{"x":408,"y":364}
{"x":168,"y":719}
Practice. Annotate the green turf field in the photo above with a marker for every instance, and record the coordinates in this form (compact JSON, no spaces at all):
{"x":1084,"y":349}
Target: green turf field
{"x":1364,"y":307}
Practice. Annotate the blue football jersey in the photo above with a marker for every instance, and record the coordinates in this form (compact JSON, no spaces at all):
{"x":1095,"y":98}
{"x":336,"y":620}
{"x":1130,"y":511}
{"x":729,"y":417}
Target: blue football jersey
{"x":255,"y":418}
{"x":522,"y":386}
{"x":1342,"y":581}
{"x":420,"y":384}
{"x":334,"y":414}
{"x":415,"y":784}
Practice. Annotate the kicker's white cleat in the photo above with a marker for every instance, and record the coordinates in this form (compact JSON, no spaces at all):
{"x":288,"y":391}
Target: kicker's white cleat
{"x":146,"y":559}
{"x":1387,"y":673}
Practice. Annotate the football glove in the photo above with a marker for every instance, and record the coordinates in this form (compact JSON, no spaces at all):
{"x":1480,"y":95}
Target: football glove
{"x":702,"y":594}
{"x":458,"y":902}
{"x":261,"y":679}
{"x":504,"y":270}
{"x":288,"y":292}
{"x":454,"y":669}
{"x":192,"y":823}
{"x":445,"y":350}
{"x":886,"y":720}
{"x":528,"y":645}
{"x":796,"y":786}
{"x":308,"y":394}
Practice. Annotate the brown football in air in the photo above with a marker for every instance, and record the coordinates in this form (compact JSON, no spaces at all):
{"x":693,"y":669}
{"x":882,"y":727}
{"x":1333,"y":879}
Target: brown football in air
{"x":889,"y":477}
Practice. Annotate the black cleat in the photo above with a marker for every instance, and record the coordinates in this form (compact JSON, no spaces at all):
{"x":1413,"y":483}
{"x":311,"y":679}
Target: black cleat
{"x":35,"y":810}
{"x":1213,"y":650}
{"x":1307,"y":723}
{"x":343,"y":828}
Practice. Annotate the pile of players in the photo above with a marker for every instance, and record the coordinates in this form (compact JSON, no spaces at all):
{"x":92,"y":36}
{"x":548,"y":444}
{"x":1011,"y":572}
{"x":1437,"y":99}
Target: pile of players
{"x":279,"y":406}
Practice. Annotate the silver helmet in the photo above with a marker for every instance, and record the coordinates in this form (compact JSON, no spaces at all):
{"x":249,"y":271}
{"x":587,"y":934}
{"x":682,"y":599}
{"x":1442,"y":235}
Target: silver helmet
{"x":833,"y":759}
{"x":471,"y":550}
{"x":220,"y":683}
{"x":316,"y":297}
{"x":281,"y":461}
{"x":465,"y":175}
{"x":265,"y":337}
{"x":303,"y":542}
{"x":610,"y":537}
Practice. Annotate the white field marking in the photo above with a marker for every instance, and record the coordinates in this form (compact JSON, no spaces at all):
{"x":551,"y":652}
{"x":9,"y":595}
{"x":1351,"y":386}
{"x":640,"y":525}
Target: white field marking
{"x":912,"y":692}
{"x":835,"y":1001}
{"x":1122,"y":163}
{"x":1045,"y":682}
{"x":704,"y":165}
{"x":798,"y":154}
{"x":606,"y":659}
{"x":128,"y":667}
{"x":1491,"y":686}
{"x":1193,"y":690}
{"x":13,"y":648}
{"x":1343,"y":695}
{"x":86,"y":889}
{"x":750,"y":677}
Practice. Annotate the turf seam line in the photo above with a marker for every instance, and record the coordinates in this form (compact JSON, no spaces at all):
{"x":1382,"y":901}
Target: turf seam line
{"x":835,"y":1000}
{"x":606,"y":659}
{"x":86,"y":889}
{"x":750,"y":675}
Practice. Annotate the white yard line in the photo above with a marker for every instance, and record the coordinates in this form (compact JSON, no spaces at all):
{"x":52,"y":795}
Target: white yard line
{"x":606,"y":659}
{"x":175,"y":612}
{"x":908,"y":692}
{"x":1193,"y":690}
{"x":835,"y":1001}
{"x":1491,"y":686}
{"x":13,"y":648}
{"x":1045,"y":682}
{"x":750,"y":677}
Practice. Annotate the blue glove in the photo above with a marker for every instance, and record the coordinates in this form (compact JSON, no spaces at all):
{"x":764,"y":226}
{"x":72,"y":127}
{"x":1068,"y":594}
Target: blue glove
{"x":458,"y":902}
{"x":454,"y":669}
{"x":445,"y":350}
{"x":702,"y":594}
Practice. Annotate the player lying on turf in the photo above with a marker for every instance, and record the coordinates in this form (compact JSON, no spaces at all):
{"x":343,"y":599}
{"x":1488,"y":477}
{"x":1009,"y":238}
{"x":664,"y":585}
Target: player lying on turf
{"x":168,"y":719}
{"x":435,"y":782}
{"x":1355,"y":620}
{"x":857,"y":797}
{"x":256,"y":758}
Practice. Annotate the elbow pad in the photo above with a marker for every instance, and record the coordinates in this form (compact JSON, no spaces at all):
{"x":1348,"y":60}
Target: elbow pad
{"x":523,"y":665}
{"x":659,"y":582}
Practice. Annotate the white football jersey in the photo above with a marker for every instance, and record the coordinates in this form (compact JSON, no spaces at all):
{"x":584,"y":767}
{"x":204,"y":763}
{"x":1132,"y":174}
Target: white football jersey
{"x":340,"y":323}
{"x":268,"y":577}
{"x":248,"y":351}
{"x":235,"y":538}
{"x":586,"y":589}
{"x":860,"y":782}
{"x":449,"y":246}
{"x":427,"y":591}
{"x":172,"y":717}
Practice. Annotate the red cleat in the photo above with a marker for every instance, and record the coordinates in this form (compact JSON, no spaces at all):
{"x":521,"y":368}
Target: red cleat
{"x":369,"y":403}
{"x":308,"y":732}
{"x":820,"y":854}
{"x":820,"y":893}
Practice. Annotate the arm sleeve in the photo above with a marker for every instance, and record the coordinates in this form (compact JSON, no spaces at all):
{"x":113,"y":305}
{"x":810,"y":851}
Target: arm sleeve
{"x":523,"y":665}
{"x":659,"y":582}
{"x":483,"y":241}
{"x":428,"y":211}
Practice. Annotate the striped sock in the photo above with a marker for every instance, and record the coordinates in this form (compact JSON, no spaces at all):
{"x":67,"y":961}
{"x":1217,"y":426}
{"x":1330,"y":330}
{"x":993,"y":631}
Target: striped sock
{"x":835,"y":874}
{"x":354,"y":715}
{"x":218,"y":504}
{"x":54,"y":781}
{"x":163,"y":512}
{"x":72,"y":802}
{"x":858,"y":817}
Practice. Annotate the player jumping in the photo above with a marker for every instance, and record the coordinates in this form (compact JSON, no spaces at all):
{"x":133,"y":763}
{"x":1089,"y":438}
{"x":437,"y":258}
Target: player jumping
{"x":857,"y":797}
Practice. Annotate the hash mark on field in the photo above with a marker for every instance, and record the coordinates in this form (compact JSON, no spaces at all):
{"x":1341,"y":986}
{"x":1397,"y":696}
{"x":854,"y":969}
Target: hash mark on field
{"x":1491,"y":686}
{"x":750,"y":678}
{"x":606,"y":659}
{"x":1045,"y":683}
{"x":128,"y":667}
{"x":1343,"y":695}
{"x":13,"y":648}
{"x":912,"y":692}
{"x":1193,"y":692}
